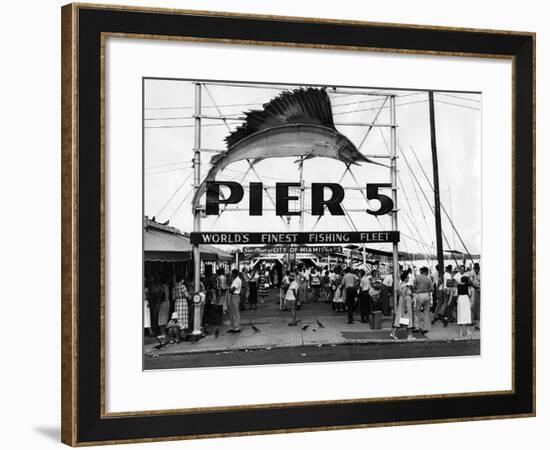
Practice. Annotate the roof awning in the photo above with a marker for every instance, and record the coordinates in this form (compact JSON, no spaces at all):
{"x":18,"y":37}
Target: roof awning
{"x":160,"y":245}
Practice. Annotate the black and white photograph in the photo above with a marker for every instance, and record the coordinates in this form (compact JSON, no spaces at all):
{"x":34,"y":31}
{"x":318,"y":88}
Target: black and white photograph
{"x":287,"y":224}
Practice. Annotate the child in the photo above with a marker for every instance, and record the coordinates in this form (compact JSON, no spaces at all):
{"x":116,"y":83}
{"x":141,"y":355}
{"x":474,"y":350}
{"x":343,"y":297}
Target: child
{"x":173,"y":329}
{"x":464,"y":312}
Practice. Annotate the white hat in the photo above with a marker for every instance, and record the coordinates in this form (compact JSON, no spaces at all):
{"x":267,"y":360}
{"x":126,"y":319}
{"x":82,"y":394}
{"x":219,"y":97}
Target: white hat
{"x":174,"y":315}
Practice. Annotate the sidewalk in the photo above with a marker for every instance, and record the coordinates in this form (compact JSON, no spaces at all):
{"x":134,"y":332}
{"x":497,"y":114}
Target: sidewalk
{"x":318,"y":326}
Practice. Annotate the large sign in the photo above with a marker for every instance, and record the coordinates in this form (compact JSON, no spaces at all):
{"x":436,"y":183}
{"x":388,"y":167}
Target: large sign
{"x":285,"y":250}
{"x":283,"y":197}
{"x":321,"y":237}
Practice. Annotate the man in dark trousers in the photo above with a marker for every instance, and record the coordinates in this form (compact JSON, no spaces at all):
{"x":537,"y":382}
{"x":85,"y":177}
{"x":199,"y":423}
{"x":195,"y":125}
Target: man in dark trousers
{"x":349,"y":286}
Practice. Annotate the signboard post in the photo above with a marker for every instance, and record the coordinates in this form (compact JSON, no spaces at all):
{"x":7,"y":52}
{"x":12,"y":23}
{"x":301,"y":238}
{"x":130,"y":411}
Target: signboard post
{"x":197,"y":182}
{"x":393,"y":177}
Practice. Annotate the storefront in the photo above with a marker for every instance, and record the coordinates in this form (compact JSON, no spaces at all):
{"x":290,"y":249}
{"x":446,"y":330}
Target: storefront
{"x":168,"y":254}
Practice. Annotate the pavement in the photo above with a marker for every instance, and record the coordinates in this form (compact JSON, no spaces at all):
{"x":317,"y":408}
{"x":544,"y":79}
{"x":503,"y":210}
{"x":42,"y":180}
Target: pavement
{"x":318,"y":326}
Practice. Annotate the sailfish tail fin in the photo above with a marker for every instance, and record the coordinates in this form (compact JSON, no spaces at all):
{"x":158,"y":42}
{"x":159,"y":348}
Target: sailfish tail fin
{"x":305,"y":106}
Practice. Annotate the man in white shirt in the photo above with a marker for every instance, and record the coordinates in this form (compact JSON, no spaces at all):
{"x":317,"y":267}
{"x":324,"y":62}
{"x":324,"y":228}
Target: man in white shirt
{"x":234,"y":300}
{"x":290,"y":299}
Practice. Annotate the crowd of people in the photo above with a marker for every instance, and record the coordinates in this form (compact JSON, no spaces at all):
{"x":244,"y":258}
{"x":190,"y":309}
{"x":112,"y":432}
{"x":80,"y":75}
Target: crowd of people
{"x":423,"y":298}
{"x":168,"y":303}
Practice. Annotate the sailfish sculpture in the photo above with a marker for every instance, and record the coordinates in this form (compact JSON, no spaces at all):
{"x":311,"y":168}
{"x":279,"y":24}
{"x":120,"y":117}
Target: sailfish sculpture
{"x":296,"y":123}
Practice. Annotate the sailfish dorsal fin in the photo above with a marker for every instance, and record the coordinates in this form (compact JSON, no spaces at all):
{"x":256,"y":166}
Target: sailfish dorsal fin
{"x":304,"y":105}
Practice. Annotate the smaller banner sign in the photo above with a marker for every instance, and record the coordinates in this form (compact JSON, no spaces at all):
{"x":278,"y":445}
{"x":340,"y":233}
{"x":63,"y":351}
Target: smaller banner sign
{"x":284,"y":250}
{"x":321,"y":237}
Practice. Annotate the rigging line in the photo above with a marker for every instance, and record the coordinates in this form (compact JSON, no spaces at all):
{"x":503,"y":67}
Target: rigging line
{"x":372,"y":124}
{"x":406,"y":197}
{"x":339,"y":181}
{"x":424,"y":194}
{"x":406,"y":247}
{"x":405,"y":194}
{"x":409,"y":216}
{"x":181,"y":203}
{"x":421,"y":190}
{"x":351,"y":223}
{"x":415,"y":190}
{"x":248,"y":161}
{"x":226,"y":204}
{"x":450,"y":205}
{"x":364,"y":196}
{"x":442,"y":206}
{"x":174,"y":194}
{"x":411,"y":238}
{"x":263,"y":176}
{"x":267,"y":192}
{"x":216,"y":105}
{"x":406,"y":222}
{"x":457,"y":96}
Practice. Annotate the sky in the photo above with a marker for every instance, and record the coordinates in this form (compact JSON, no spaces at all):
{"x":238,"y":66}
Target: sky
{"x":169,"y":142}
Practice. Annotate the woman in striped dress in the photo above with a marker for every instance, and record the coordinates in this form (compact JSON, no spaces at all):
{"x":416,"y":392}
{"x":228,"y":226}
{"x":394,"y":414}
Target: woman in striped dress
{"x":181,"y":308}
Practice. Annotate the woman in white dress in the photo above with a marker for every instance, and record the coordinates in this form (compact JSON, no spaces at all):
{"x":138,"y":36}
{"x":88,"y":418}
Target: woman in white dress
{"x":464,"y":311}
{"x":146,"y":313}
{"x":403,"y":308}
{"x":338,"y":299}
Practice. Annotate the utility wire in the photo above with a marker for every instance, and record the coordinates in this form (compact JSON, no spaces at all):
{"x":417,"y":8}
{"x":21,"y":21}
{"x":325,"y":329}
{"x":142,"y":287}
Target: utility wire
{"x":334,"y":114}
{"x":177,"y":169}
{"x":169,"y":164}
{"x":174,"y":194}
{"x":459,"y":97}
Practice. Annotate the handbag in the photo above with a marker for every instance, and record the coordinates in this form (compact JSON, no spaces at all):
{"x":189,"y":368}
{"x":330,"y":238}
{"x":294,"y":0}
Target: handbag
{"x":404,"y":321}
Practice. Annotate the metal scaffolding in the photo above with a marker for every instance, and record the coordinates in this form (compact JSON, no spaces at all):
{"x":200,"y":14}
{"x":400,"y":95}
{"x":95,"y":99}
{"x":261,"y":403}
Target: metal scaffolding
{"x":392,"y":125}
